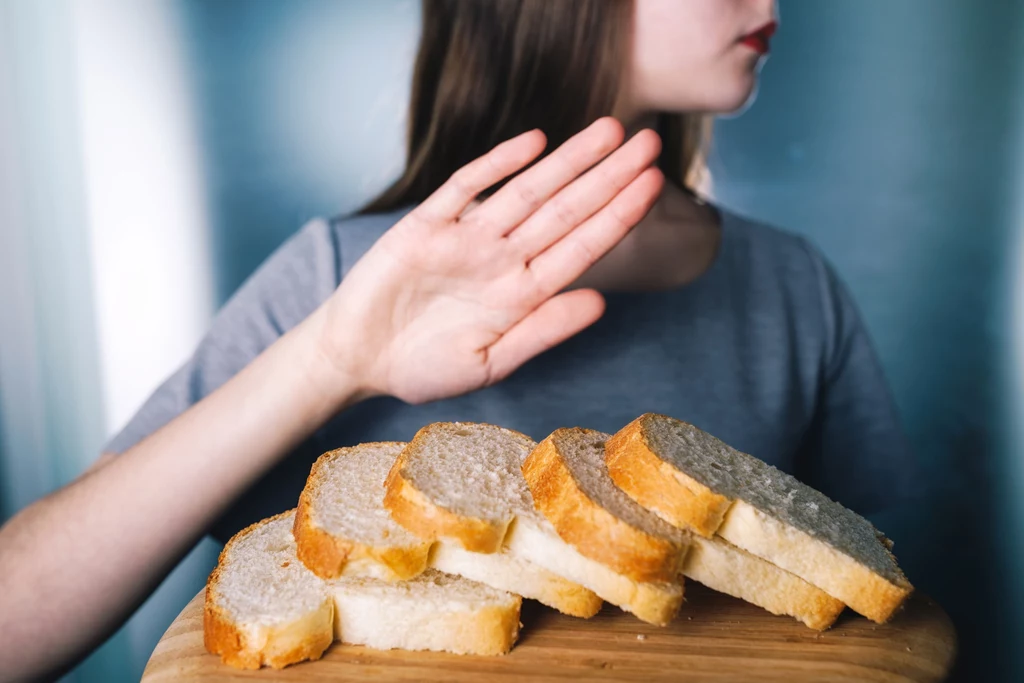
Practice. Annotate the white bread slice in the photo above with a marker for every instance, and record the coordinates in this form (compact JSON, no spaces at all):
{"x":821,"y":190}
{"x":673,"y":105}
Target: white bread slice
{"x":341,"y":526}
{"x":433,"y":611}
{"x":506,"y":571}
{"x":622,"y":552}
{"x":343,"y":529}
{"x":571,"y":487}
{"x":723,"y":567}
{"x":460,"y":484}
{"x":263,"y":607}
{"x":460,"y":481}
{"x":536,"y":540}
{"x":692,"y":479}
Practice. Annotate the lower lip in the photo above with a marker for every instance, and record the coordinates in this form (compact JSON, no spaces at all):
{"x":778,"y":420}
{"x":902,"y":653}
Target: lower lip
{"x":757,"y":43}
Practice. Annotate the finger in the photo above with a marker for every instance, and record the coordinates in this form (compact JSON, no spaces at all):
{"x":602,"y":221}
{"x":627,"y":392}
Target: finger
{"x":449,"y":201}
{"x":524,"y":194}
{"x":571,"y":256}
{"x":586,"y":196}
{"x":548,"y":325}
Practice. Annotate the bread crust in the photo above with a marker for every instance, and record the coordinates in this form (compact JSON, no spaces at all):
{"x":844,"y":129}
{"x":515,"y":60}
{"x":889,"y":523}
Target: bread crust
{"x":327,"y":555}
{"x":838,"y":574}
{"x":311,"y":634}
{"x":505,"y":571}
{"x":684,"y":502}
{"x":411,"y":508}
{"x":589,"y":527}
{"x":723,"y":567}
{"x":658,"y":486}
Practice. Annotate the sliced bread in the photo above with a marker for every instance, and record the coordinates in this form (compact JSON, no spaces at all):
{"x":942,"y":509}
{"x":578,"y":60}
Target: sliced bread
{"x":571,"y":487}
{"x":341,"y":526}
{"x":263,"y":607}
{"x":692,"y":479}
{"x":343,"y":529}
{"x":723,"y":567}
{"x":460,"y":481}
{"x":461,"y":484}
{"x":433,"y":611}
{"x":507,"y":571}
{"x":535,"y":539}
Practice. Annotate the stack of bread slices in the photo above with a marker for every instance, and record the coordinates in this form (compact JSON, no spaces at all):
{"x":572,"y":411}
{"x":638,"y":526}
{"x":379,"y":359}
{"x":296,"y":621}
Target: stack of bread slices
{"x":432,"y":545}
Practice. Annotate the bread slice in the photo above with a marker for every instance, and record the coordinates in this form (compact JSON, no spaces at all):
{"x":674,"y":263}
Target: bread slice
{"x":460,"y":481}
{"x":341,"y":526}
{"x":692,"y":479}
{"x":460,"y":485}
{"x":570,"y":484}
{"x":343,"y":529}
{"x":506,"y":571}
{"x":433,"y":611}
{"x":536,"y":540}
{"x":263,"y":607}
{"x":723,"y":567}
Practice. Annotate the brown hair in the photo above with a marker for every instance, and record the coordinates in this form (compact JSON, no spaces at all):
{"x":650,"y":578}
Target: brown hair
{"x":488,"y":70}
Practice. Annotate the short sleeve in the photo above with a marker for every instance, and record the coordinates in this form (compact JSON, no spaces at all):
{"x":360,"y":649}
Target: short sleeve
{"x":299,"y":276}
{"x":855,"y":450}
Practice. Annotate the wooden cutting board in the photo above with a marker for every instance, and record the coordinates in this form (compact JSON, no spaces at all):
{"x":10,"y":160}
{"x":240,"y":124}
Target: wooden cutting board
{"x":714,"y":638}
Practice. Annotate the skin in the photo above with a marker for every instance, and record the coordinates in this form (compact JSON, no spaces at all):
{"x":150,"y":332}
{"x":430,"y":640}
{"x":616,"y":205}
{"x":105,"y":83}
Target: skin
{"x":414,"y":319}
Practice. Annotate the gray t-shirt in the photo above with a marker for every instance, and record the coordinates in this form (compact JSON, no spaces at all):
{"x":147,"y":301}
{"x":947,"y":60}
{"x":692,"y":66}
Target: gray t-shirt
{"x":766,"y":351}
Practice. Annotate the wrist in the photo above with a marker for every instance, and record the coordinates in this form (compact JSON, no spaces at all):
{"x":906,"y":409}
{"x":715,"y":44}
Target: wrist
{"x":338,"y":385}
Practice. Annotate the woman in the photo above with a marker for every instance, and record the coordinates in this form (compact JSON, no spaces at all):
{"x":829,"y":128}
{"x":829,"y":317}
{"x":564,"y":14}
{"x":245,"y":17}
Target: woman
{"x":475,"y":290}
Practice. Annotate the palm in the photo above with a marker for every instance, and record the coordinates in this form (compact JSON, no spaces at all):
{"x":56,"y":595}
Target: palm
{"x":446,"y":304}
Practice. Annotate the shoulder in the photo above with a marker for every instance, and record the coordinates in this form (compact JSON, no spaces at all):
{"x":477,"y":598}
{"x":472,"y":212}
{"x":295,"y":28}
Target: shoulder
{"x":764,"y":246}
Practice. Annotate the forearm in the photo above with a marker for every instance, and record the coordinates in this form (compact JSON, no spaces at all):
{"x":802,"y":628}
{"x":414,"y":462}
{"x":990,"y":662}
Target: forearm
{"x":76,"y":564}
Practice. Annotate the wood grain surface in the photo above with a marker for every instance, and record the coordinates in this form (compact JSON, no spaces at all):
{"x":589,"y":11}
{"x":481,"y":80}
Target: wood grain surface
{"x":714,"y":638}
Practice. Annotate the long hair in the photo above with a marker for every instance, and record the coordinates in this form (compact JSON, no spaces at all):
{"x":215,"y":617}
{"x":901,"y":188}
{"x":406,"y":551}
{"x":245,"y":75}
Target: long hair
{"x":488,"y":70}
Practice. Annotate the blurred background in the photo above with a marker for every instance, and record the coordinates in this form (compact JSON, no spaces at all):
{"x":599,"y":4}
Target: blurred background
{"x":153,"y":152}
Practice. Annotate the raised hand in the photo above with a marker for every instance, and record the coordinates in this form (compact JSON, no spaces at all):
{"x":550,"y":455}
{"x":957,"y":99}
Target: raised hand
{"x":459,"y":294}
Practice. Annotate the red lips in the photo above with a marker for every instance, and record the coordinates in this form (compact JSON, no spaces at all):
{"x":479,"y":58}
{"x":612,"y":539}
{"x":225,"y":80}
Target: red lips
{"x":759,"y":39}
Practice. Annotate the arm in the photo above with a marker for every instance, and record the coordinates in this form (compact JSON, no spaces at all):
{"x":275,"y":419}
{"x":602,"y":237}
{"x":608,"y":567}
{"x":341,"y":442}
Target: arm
{"x":75,"y":565}
{"x":453,"y":298}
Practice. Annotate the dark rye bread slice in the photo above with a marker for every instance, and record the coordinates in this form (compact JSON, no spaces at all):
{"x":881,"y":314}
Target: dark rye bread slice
{"x":694,"y":480}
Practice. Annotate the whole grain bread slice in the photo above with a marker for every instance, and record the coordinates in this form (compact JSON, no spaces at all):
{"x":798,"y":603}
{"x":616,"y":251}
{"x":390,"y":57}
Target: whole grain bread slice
{"x":694,"y":480}
{"x":341,"y":526}
{"x":263,"y":607}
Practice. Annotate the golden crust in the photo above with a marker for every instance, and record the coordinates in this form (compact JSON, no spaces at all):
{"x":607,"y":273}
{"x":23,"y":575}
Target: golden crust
{"x":658,"y":486}
{"x":221,"y":636}
{"x":494,"y":631}
{"x":588,"y":527}
{"x":327,"y":555}
{"x":413,"y":510}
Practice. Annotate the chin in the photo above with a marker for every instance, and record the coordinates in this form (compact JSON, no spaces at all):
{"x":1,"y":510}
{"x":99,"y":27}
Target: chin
{"x":736,"y":98}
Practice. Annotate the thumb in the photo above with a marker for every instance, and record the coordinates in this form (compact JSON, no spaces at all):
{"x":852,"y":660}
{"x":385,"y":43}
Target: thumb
{"x":550,"y":324}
